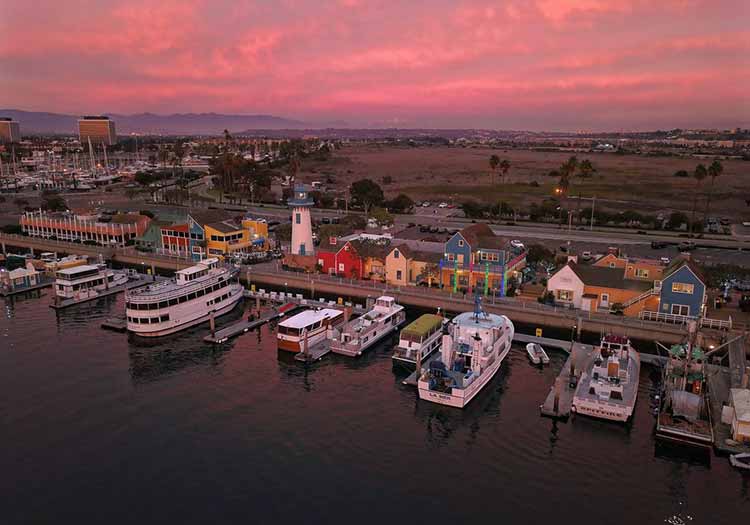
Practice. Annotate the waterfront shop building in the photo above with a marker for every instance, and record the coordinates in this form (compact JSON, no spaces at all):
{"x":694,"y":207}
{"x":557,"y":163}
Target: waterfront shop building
{"x":337,"y":257}
{"x":84,"y":227}
{"x":476,"y":258}
{"x":19,"y":278}
{"x":405,"y":266}
{"x":98,"y":129}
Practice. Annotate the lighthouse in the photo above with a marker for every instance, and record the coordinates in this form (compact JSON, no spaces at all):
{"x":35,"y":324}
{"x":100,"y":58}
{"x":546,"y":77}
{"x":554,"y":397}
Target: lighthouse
{"x":300,"y":203}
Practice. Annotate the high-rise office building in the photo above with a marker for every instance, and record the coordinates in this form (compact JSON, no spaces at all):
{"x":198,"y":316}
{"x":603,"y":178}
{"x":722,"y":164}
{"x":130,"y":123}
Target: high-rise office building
{"x":10,"y":131}
{"x":99,"y":129}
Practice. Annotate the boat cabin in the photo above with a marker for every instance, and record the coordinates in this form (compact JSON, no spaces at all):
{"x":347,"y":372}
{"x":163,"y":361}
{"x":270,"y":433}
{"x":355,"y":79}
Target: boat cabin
{"x":195,"y":272}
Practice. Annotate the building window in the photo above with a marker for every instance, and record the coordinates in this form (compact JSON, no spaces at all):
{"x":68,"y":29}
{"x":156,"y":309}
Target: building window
{"x":395,"y":255}
{"x":341,"y":267}
{"x":683,"y":288}
{"x":680,"y":309}
{"x":298,"y":218}
{"x":460,"y":243}
{"x":640,"y":272}
{"x":565,"y":295}
{"x":398,"y":275}
{"x":611,"y":265}
{"x":450,"y":257}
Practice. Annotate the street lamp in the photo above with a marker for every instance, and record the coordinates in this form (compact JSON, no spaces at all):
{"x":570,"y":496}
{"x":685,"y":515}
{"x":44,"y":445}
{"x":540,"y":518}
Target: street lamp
{"x":285,"y":288}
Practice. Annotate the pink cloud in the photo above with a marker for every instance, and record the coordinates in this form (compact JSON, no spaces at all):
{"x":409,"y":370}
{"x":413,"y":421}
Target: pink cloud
{"x":550,"y":63}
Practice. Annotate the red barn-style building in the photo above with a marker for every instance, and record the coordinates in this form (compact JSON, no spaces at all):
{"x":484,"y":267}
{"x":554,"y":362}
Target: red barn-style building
{"x":340,"y":258}
{"x":175,"y":239}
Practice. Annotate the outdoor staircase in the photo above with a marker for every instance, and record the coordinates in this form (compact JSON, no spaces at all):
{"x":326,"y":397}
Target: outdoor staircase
{"x":645,"y":295}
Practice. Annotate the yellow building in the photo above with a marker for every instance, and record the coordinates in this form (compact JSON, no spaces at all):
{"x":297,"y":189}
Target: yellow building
{"x":258,"y":229}
{"x":225,"y":239}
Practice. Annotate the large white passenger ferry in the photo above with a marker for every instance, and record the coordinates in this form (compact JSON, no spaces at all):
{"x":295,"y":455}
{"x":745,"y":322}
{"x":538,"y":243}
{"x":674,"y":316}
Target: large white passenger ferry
{"x":471,"y":354}
{"x":361,"y":333}
{"x":192,"y":297}
{"x":308,"y":328}
{"x":86,"y":281}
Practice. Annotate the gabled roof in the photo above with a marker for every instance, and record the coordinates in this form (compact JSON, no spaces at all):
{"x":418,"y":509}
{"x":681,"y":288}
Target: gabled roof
{"x":403,"y":249}
{"x":203,"y":217}
{"x":480,"y":235}
{"x":224,"y":226}
{"x":327,"y":247}
{"x":679,"y":262}
{"x":605,"y":277}
{"x":371,"y":249}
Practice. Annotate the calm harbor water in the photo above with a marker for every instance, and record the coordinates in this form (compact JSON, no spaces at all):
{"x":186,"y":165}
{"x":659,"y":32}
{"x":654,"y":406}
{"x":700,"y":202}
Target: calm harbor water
{"x":97,"y":428}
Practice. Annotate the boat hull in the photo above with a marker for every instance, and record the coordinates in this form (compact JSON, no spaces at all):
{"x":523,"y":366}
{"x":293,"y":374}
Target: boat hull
{"x":232,"y":302}
{"x":464,"y":395}
{"x":354,"y":351}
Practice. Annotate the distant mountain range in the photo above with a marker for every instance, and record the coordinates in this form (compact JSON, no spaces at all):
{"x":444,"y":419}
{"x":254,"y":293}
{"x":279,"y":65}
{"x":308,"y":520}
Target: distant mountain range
{"x":34,"y":122}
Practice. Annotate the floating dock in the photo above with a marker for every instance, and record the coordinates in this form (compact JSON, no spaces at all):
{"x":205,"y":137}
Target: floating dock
{"x":245,"y":325}
{"x":117,"y":324}
{"x":315,"y":352}
{"x":560,"y":398}
{"x":38,"y":286}
{"x":298,"y":299}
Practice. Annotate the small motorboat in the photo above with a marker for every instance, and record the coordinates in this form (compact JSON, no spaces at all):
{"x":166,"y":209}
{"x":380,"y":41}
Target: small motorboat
{"x":537,"y":354}
{"x":740,"y":460}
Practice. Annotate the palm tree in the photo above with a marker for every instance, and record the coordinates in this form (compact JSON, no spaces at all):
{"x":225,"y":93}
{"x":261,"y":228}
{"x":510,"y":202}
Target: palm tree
{"x":585,"y":168}
{"x":714,"y":170}
{"x":699,"y":174}
{"x":494,"y":162}
{"x":504,"y":167}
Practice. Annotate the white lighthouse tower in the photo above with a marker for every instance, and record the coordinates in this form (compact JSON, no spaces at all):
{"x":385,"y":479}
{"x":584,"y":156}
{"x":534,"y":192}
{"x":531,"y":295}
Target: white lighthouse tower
{"x":300,"y":202}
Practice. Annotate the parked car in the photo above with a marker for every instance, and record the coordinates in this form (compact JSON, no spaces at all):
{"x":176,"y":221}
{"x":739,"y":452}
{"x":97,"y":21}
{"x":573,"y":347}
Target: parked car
{"x":658,"y":245}
{"x":724,"y":221}
{"x":325,"y":220}
{"x":443,"y":205}
{"x":664,"y":260}
{"x":517,"y":244}
{"x":335,"y":220}
{"x":426,"y":204}
{"x":586,"y":256}
{"x":686,"y":246}
{"x":423,"y":228}
{"x":743,"y":286}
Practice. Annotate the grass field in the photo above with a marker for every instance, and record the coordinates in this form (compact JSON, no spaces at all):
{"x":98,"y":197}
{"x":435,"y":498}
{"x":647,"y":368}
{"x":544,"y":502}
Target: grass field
{"x":621,"y":182}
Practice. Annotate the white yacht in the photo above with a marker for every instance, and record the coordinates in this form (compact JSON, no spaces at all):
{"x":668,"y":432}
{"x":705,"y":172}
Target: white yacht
{"x":361,"y":333}
{"x":608,"y":387}
{"x":192,"y":297}
{"x":471,"y":354}
{"x":418,"y":340}
{"x":308,"y":328}
{"x":86,"y":281}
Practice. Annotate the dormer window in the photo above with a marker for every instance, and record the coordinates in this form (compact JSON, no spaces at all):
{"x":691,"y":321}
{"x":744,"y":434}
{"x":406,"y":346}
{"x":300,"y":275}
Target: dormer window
{"x":395,"y":254}
{"x":460,"y":243}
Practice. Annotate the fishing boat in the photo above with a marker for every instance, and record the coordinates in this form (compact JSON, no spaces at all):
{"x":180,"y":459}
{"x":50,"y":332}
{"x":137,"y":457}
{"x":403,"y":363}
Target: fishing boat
{"x":358,"y":335}
{"x":608,"y":387}
{"x":419,"y":340}
{"x":470,"y":356}
{"x":86,"y":281}
{"x":684,"y":413}
{"x":308,"y":328}
{"x":537,"y":354}
{"x":740,"y":460}
{"x":207,"y":289}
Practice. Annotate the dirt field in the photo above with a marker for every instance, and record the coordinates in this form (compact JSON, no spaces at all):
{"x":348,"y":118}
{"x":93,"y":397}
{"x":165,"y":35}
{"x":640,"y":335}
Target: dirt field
{"x":641,"y":183}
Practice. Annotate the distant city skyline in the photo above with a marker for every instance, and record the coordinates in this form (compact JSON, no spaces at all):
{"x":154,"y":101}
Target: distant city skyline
{"x":553,"y":65}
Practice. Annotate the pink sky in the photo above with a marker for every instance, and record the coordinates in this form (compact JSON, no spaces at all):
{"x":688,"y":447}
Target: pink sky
{"x":526,"y":64}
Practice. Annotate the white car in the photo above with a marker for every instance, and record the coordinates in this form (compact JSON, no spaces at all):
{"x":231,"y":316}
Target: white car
{"x":443,"y":205}
{"x":517,"y":244}
{"x":426,"y":204}
{"x":586,"y":256}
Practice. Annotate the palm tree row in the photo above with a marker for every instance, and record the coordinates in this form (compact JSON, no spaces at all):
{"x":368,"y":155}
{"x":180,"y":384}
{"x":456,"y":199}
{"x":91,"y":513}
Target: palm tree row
{"x":699,"y":174}
{"x":496,"y":163}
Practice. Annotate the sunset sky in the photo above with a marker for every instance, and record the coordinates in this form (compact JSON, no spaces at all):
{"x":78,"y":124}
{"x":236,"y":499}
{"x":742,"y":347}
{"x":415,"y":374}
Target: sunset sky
{"x":539,"y":65}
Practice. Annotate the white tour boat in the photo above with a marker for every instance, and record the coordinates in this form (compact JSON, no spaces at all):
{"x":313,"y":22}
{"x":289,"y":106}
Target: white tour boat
{"x":361,"y":333}
{"x":86,"y":281}
{"x":192,"y":297}
{"x":471,"y":354}
{"x":308,"y":328}
{"x":608,"y":387}
{"x":418,"y":340}
{"x":537,"y":354}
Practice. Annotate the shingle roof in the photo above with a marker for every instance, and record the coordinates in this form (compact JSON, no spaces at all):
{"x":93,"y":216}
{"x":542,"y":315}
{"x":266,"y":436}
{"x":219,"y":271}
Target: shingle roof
{"x":428,"y":257}
{"x":224,"y":226}
{"x":204,"y":217}
{"x":371,"y":249}
{"x":480,"y":235}
{"x":607,"y":277}
{"x":679,"y":262}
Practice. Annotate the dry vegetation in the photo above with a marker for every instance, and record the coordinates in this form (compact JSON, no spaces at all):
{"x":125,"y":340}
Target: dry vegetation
{"x":640,"y":183}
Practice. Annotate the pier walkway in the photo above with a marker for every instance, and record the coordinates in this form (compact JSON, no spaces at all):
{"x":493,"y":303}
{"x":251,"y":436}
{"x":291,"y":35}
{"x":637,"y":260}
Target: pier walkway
{"x":560,"y":398}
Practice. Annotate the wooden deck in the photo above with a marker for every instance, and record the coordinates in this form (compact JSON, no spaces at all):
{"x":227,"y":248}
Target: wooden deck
{"x":560,"y":398}
{"x":241,"y":327}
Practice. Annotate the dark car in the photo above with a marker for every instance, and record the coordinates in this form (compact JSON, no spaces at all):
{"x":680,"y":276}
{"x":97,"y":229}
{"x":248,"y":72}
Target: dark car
{"x":658,"y":245}
{"x":686,"y":246}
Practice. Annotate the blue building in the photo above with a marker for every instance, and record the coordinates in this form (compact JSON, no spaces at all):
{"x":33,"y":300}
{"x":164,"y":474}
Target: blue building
{"x":477,"y":258}
{"x":683,"y":290}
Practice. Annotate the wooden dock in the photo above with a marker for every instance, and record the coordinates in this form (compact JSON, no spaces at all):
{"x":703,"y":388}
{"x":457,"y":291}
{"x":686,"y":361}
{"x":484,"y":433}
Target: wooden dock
{"x":560,"y":398}
{"x":245,"y":325}
{"x":44,"y":284}
{"x":315,"y":352}
{"x":117,"y":324}
{"x":298,"y":299}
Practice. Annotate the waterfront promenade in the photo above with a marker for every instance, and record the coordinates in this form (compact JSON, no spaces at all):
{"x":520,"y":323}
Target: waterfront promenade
{"x":272,"y":275}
